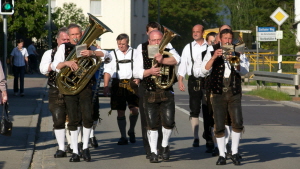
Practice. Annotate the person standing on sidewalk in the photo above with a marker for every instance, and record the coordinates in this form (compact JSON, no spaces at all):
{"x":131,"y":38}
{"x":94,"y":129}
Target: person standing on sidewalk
{"x":124,"y":89}
{"x":56,"y":101}
{"x":32,"y":58}
{"x":3,"y":91}
{"x":19,"y":59}
{"x":191,"y":60}
{"x":78,"y":106}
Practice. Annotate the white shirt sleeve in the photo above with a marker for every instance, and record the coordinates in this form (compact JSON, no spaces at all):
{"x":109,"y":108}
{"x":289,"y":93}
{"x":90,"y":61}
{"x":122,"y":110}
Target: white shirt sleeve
{"x":45,"y":62}
{"x":58,"y":57}
{"x":207,"y":57}
{"x":244,"y":65}
{"x":138,"y":68}
{"x":182,"y":68}
{"x":110,"y":67}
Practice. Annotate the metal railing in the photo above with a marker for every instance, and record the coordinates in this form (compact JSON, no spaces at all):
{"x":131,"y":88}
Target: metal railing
{"x":279,"y":78}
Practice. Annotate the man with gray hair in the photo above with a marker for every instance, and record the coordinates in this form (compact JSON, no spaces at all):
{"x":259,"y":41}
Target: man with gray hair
{"x":79,"y":107}
{"x":56,"y":101}
{"x":124,"y":88}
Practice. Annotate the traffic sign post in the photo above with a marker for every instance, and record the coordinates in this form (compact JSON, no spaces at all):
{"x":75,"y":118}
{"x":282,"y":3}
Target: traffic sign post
{"x":7,"y":8}
{"x":279,"y":16}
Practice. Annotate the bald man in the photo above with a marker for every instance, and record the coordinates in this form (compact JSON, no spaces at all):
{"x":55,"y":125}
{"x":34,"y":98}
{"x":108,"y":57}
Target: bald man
{"x":191,"y":60}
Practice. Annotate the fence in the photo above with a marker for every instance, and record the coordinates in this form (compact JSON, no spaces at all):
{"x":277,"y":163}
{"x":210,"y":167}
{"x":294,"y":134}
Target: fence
{"x":279,"y":78}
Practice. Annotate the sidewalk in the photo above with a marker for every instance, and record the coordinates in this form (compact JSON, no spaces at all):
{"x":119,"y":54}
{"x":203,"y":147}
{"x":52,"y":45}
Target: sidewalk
{"x":16,"y":151}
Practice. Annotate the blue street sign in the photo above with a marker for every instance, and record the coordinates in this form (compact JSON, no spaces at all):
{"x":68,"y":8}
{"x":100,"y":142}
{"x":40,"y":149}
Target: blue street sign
{"x":266,"y":29}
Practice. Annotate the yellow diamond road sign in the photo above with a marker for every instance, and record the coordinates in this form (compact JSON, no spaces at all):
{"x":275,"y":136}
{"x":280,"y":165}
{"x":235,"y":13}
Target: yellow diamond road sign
{"x":279,"y":16}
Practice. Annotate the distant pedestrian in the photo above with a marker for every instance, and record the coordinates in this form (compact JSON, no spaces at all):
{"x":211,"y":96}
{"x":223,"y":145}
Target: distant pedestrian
{"x":2,"y":85}
{"x":33,"y":61}
{"x":19,"y":58}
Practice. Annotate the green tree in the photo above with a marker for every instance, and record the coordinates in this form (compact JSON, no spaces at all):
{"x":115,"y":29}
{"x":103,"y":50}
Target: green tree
{"x":182,"y":15}
{"x":247,"y":14}
{"x":28,"y":19}
{"x":69,"y":13}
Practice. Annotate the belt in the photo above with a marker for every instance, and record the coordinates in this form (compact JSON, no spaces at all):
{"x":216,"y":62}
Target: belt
{"x":124,"y":81}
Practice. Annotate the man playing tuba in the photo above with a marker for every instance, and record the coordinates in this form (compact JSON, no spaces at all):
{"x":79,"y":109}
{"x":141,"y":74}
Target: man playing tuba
{"x":158,"y":103}
{"x":83,"y":99}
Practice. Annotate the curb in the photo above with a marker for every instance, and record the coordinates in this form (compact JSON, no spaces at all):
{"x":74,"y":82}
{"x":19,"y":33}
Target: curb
{"x":31,"y":140}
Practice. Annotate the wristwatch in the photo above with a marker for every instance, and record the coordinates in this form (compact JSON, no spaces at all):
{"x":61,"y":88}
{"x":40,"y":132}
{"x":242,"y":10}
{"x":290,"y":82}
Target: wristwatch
{"x":93,"y":53}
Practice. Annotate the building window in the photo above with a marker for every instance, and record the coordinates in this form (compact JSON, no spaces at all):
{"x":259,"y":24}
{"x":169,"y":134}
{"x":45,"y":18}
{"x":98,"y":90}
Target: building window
{"x":144,"y":8}
{"x":53,"y":5}
{"x":95,"y":7}
{"x":135,"y":7}
{"x":143,"y":38}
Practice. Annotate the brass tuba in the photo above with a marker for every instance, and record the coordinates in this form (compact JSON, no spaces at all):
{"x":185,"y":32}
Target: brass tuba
{"x":72,"y":82}
{"x":167,"y":72}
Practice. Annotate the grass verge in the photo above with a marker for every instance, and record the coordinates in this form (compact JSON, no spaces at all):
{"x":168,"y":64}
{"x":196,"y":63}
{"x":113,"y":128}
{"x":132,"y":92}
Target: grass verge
{"x":270,"y":94}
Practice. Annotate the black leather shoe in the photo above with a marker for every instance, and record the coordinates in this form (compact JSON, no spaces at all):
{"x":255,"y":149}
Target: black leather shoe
{"x":196,"y":143}
{"x":153,"y":158}
{"x":159,"y":153}
{"x":75,"y":158}
{"x":148,"y":155}
{"x":131,"y":137}
{"x":94,"y":142}
{"x":69,"y":150}
{"x":221,"y":161}
{"x":236,"y":159}
{"x":86,"y":155}
{"x":215,"y":152}
{"x":209,"y":147}
{"x":123,"y":141}
{"x":166,"y":153}
{"x":60,"y":154}
{"x":80,"y":145}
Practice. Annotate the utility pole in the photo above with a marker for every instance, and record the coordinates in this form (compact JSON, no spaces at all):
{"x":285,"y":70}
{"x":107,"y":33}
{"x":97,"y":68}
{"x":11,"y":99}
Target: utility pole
{"x":49,"y":26}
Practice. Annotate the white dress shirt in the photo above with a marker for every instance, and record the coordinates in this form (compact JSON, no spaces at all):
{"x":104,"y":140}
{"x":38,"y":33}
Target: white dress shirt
{"x":45,"y":62}
{"x":60,"y":56}
{"x":185,"y":66}
{"x":125,"y":71}
{"x":244,"y":65}
{"x":138,"y":69}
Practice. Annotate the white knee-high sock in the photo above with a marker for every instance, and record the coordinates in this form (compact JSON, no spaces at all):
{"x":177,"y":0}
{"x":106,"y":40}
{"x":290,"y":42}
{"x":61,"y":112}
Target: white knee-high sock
{"x":221,"y":146}
{"x":79,"y":129}
{"x":195,"y":127}
{"x":166,"y":136}
{"x":214,"y":137}
{"x":227,"y":133}
{"x":92,"y":133}
{"x":153,"y":137}
{"x":60,"y":138}
{"x":85,"y":138}
{"x":68,"y":136}
{"x":235,"y":141}
{"x":74,"y":140}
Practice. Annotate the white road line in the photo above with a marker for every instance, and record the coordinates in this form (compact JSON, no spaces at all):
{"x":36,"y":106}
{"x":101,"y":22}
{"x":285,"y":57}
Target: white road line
{"x":186,"y":112}
{"x":266,"y":105}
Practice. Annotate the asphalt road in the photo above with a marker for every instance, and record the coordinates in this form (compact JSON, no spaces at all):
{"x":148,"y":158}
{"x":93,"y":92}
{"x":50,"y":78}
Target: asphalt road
{"x":271,"y":140}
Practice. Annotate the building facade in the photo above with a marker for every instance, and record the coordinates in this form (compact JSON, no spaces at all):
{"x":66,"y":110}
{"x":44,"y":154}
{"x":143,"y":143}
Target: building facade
{"x":121,"y":16}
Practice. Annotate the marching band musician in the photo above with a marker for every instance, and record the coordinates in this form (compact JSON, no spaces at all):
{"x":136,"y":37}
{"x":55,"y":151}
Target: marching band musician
{"x":191,"y":59}
{"x":83,"y":99}
{"x":158,"y":103}
{"x":142,"y":48}
{"x":56,"y":102}
{"x":225,"y":87}
{"x":124,"y":88}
